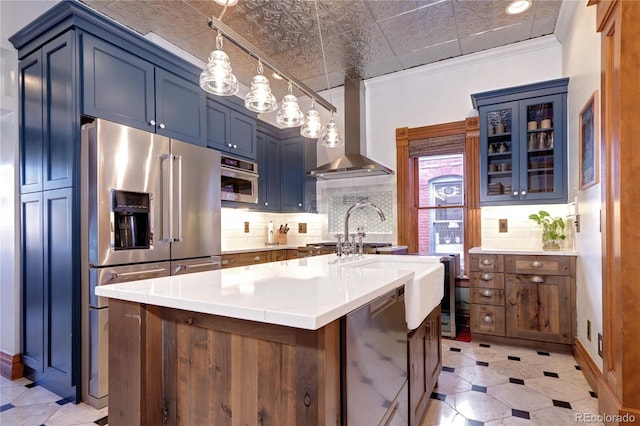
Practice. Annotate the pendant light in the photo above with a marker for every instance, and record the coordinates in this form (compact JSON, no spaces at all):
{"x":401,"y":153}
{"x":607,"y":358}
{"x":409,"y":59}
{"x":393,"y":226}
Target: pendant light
{"x":218,"y":77}
{"x":312,"y":126}
{"x":331,"y":137}
{"x":331,"y":134}
{"x":290,"y":114}
{"x":260,"y":99}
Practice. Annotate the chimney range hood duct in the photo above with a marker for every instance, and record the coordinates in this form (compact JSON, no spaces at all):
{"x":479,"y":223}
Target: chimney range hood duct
{"x":353,"y":163}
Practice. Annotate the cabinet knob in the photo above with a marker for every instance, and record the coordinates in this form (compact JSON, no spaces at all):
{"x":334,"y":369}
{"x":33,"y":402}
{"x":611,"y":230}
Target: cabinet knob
{"x":536,"y":264}
{"x":515,"y":193}
{"x":152,"y":122}
{"x":523,"y":192}
{"x":486,"y":262}
{"x":299,"y":204}
{"x":536,"y":279}
{"x":486,"y":293}
{"x":229,"y":145}
{"x":162,"y":126}
{"x":225,"y":262}
{"x":266,"y":204}
{"x":256,"y":259}
{"x":486,"y":277}
{"x":235,"y":146}
{"x":487,"y":319}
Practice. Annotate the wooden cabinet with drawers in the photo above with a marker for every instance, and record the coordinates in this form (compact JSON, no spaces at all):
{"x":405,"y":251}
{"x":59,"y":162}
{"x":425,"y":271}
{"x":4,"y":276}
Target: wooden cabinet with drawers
{"x":528,"y":297}
{"x":231,"y":260}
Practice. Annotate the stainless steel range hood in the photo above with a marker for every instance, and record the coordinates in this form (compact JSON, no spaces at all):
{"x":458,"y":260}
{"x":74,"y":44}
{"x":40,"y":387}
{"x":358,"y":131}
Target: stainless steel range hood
{"x":353,"y":163}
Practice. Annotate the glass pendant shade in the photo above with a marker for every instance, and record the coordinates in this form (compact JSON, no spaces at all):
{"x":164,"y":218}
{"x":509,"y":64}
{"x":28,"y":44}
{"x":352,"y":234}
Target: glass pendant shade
{"x":218,"y":77}
{"x":312,"y":126}
{"x":290,"y":114}
{"x":260,"y":99}
{"x":331,"y":136}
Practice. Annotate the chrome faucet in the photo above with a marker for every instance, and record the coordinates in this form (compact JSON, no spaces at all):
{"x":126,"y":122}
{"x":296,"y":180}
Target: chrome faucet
{"x":350,"y":247}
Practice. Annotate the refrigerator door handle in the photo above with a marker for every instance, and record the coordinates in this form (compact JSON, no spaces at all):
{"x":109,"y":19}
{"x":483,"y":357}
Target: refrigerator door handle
{"x":179,"y":158}
{"x":169,"y":194}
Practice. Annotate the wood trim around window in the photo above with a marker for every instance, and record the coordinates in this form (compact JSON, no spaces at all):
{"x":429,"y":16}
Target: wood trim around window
{"x":406,"y":180}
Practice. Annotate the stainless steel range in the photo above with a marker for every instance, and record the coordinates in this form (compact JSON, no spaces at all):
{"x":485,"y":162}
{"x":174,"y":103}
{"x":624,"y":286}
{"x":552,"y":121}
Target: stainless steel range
{"x":151,"y":208}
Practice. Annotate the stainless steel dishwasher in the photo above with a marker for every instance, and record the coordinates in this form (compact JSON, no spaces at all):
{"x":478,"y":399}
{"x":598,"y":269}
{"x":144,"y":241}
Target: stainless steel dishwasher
{"x":375,"y":390}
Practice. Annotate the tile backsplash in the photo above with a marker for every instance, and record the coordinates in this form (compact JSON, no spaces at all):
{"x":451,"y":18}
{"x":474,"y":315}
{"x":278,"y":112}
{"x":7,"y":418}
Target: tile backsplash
{"x":234,"y":238}
{"x":523,"y":233}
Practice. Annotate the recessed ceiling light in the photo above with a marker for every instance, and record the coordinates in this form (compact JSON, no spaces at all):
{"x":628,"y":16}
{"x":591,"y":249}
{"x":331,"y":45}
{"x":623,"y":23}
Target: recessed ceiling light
{"x":226,"y":2}
{"x":518,"y":6}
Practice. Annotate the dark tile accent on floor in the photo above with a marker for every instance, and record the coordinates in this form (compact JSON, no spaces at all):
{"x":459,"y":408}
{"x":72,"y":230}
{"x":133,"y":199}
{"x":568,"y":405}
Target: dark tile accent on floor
{"x":578,"y":367}
{"x":440,"y":396}
{"x":485,"y":345}
{"x":455,"y":349}
{"x":520,"y":413}
{"x":482,"y":363}
{"x":513,"y":358}
{"x":543,"y":353}
{"x":593,"y":394}
{"x":387,"y":403}
{"x":562,"y":404}
{"x":448,"y":369}
{"x":62,"y":401}
{"x":471,"y":422}
{"x":516,"y":381}
{"x":551,"y":374}
{"x":477,"y":388}
{"x":6,"y":407}
{"x":386,"y":358}
{"x":103,"y":421}
{"x":366,"y":380}
{"x":30,"y":385}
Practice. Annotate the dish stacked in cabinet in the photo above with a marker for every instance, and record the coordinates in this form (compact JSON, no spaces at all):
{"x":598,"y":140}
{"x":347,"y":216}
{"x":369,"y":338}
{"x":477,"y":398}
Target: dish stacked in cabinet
{"x":524,"y":297}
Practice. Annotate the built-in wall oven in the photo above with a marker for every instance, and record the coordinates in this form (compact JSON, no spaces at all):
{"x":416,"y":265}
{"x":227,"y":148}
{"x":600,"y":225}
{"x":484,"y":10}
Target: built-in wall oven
{"x":238,"y":180}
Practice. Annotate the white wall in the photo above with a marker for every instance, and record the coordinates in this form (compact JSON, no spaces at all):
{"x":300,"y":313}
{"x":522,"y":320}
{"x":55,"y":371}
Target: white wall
{"x":581,"y":63}
{"x":13,"y":15}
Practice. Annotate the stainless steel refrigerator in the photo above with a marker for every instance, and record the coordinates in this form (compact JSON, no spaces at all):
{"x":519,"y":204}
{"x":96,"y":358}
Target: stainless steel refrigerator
{"x":150,"y":208}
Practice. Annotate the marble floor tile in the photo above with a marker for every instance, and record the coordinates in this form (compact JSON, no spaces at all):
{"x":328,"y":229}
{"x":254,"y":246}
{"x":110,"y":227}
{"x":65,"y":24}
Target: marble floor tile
{"x":479,"y":375}
{"x":72,"y":414}
{"x":479,"y":406}
{"x":520,"y":397}
{"x":555,"y":416}
{"x":28,"y":415}
{"x":35,"y":395}
{"x":449,"y":383}
{"x":557,"y":389}
{"x":439,"y":413}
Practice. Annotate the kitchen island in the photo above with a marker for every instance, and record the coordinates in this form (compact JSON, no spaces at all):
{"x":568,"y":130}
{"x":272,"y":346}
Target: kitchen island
{"x":247,"y":345}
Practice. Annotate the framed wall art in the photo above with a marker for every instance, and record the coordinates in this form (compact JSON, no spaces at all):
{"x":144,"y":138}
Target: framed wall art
{"x":589,"y":147}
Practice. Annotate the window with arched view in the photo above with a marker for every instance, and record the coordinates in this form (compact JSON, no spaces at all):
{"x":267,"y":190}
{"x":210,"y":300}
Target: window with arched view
{"x":441,"y":204}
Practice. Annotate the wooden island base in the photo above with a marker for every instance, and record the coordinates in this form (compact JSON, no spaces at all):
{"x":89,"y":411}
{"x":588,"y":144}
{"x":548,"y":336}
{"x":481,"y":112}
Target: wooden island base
{"x":168,"y":366}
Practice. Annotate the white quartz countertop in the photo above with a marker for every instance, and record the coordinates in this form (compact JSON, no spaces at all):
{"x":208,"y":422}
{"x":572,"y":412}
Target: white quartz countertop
{"x":482,"y":250}
{"x":304,"y":293}
{"x":261,"y":248}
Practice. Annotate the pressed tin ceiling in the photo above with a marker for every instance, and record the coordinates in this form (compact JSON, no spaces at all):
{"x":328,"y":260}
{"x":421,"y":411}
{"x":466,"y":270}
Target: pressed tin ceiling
{"x":362,"y":38}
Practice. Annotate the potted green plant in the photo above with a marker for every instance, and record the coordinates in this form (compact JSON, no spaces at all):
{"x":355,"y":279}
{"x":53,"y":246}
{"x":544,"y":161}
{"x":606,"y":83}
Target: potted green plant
{"x":552,"y":229}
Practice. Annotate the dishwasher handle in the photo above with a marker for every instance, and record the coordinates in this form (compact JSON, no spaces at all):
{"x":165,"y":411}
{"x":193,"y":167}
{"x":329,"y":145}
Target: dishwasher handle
{"x":384,"y":302}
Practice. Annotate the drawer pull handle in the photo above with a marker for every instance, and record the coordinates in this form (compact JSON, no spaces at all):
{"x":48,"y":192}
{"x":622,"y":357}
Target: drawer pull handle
{"x":536,"y":264}
{"x":487,"y":319}
{"x":536,"y":279}
{"x":256,"y":259}
{"x":486,"y":277}
{"x":486,"y":293}
{"x":486,"y":262}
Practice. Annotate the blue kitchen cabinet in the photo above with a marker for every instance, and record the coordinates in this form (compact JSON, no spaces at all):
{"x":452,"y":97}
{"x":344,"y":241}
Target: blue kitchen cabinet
{"x":523,"y":146}
{"x":292,"y":174}
{"x":48,"y":116}
{"x":283,"y":159}
{"x":124,"y":88}
{"x":230,"y":131}
{"x":51,"y":290}
{"x":268,"y":172}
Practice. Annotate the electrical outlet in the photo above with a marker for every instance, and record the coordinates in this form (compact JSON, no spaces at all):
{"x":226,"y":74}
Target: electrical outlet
{"x":588,"y":330}
{"x":576,"y":222}
{"x":246,"y":227}
{"x":503,"y":225}
{"x":302,"y":228}
{"x":600,"y":345}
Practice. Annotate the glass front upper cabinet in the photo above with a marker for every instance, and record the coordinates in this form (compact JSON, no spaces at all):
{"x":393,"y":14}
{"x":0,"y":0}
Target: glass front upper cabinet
{"x":523,"y":144}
